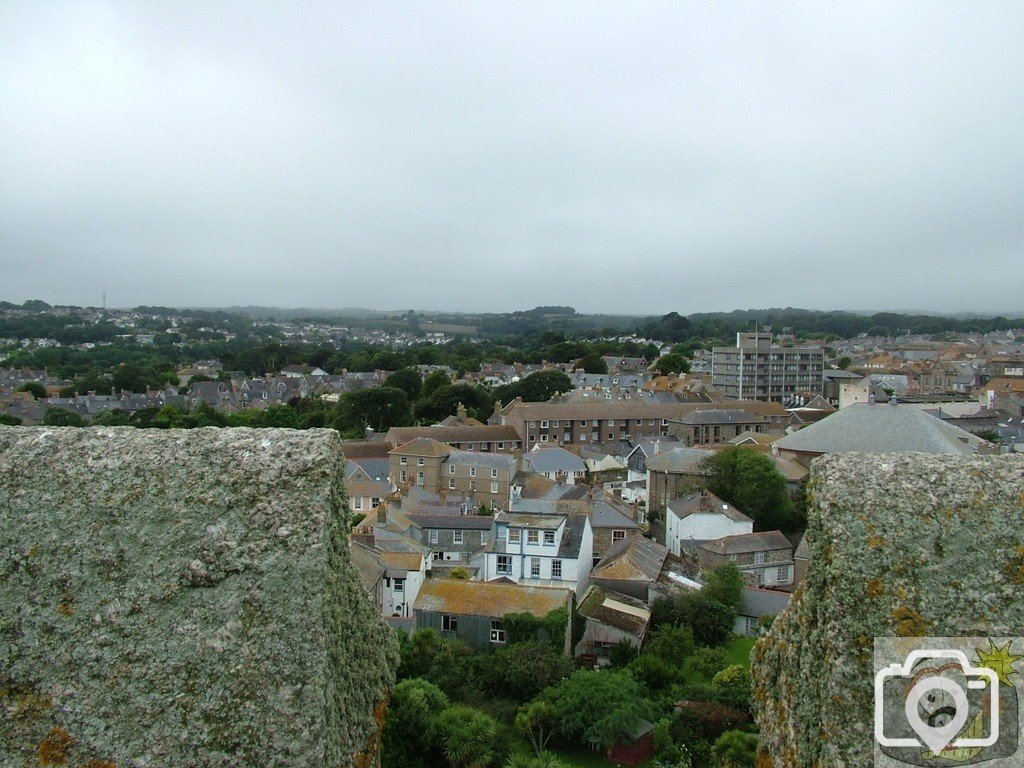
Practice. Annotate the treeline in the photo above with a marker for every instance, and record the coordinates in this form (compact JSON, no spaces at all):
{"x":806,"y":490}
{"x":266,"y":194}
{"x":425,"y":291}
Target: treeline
{"x":805,"y":323}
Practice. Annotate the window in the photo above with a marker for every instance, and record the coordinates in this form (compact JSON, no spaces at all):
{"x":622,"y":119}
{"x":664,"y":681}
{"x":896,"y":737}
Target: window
{"x":544,"y":425}
{"x":758,"y":558}
{"x":639,"y":422}
{"x":419,"y":462}
{"x":513,"y":535}
{"x":497,"y":632}
{"x":472,"y":471}
{"x":399,"y":585}
{"x":532,"y":536}
{"x":554,"y":423}
{"x":419,"y":478}
{"x":469,"y":447}
{"x":749,"y":626}
{"x":543,"y":438}
{"x":618,"y":535}
{"x":611,"y":422}
{"x":583,"y":438}
{"x":505,"y":564}
{"x":458,"y":537}
{"x":403,"y":460}
{"x":782,"y":574}
{"x":449,"y":623}
{"x":556,"y":569}
{"x":611,"y":436}
{"x":650,"y":422}
{"x":451,"y":483}
{"x":451,"y":469}
{"x":567,"y":437}
{"x":432,"y":535}
{"x":494,"y":487}
{"x":549,"y":538}
{"x":501,"y":446}
{"x":403,"y":476}
{"x":583,"y":423}
{"x":534,"y":567}
{"x":494,"y":474}
{"x":472,"y":485}
{"x":357,"y":502}
{"x":732,"y":558}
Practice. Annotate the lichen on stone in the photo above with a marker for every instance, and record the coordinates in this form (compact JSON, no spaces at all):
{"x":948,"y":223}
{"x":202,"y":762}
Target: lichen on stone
{"x":887,"y":558}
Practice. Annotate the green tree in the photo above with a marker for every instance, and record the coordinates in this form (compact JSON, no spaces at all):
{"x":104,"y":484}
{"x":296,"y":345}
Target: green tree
{"x":408,"y":738}
{"x":435,"y":381}
{"x":672,"y":363}
{"x":724,"y":583}
{"x":521,"y":671}
{"x":597,"y":706}
{"x":710,"y":620}
{"x":750,"y":482}
{"x":408,"y":380}
{"x":592,"y":362}
{"x":37,"y":390}
{"x":537,"y":722}
{"x":671,"y":642}
{"x":379,"y":407}
{"x":735,"y":749}
{"x":111,"y":419}
{"x":58,"y":417}
{"x":844,"y":363}
{"x":467,"y":737}
{"x":9,"y":421}
{"x":708,"y":662}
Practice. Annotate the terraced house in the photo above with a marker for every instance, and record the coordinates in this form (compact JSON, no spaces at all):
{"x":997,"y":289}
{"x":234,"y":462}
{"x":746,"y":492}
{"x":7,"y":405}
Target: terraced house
{"x":440,"y":469}
{"x":541,"y":550}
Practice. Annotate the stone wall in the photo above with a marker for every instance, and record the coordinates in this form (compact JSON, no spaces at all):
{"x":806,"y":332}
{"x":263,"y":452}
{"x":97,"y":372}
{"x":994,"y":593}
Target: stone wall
{"x":900,"y":545}
{"x":183,"y":598}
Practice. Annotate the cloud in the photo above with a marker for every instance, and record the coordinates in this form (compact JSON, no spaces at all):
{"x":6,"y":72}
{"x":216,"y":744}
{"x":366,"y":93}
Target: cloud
{"x":617,"y":157}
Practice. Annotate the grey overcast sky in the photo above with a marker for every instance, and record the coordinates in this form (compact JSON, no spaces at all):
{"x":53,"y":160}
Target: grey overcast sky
{"x":628,"y":157}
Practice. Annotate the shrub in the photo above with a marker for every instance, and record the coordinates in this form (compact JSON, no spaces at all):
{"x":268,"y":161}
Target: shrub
{"x":708,"y":662}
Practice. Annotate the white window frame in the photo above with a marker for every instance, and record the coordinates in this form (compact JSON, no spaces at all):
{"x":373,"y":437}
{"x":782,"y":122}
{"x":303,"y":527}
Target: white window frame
{"x":494,"y":487}
{"x":449,"y":622}
{"x":497,"y":631}
{"x":451,"y":469}
{"x":432,"y":535}
{"x":532,"y":537}
{"x":403,"y":460}
{"x":534,"y":567}
{"x":759,"y":558}
{"x":549,"y":538}
{"x":503,"y":564}
{"x":514,"y":535}
{"x":420,"y":462}
{"x":556,"y":569}
{"x":472,"y":471}
{"x":494,"y":474}
{"x":618,"y":534}
{"x":458,"y":537}
{"x":782,"y":573}
{"x":544,"y":424}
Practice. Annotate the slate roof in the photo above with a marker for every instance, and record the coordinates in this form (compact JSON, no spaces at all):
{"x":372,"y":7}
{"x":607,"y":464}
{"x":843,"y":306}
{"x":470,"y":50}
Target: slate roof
{"x":487,"y":598}
{"x":636,"y":558}
{"x":475,"y":458}
{"x":706,"y":503}
{"x":620,"y":611}
{"x":554,"y":460}
{"x":454,"y":434}
{"x":423,"y":446}
{"x":719,"y":416}
{"x":453,"y":522}
{"x":880,"y":428}
{"x":747,"y":542}
{"x":679,"y":459}
{"x":763,"y":602}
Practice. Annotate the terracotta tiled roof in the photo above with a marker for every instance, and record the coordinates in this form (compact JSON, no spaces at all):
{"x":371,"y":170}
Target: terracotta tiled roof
{"x":487,"y":433}
{"x":423,"y":446}
{"x":406,"y":561}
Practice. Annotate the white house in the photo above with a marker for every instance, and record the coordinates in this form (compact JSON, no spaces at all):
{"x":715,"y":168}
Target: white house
{"x":403,"y":576}
{"x":702,"y":516}
{"x":543,"y":550}
{"x":556,"y":464}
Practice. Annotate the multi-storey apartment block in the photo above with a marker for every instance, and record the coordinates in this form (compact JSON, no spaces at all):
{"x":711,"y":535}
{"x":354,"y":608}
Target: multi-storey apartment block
{"x":757,"y":370}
